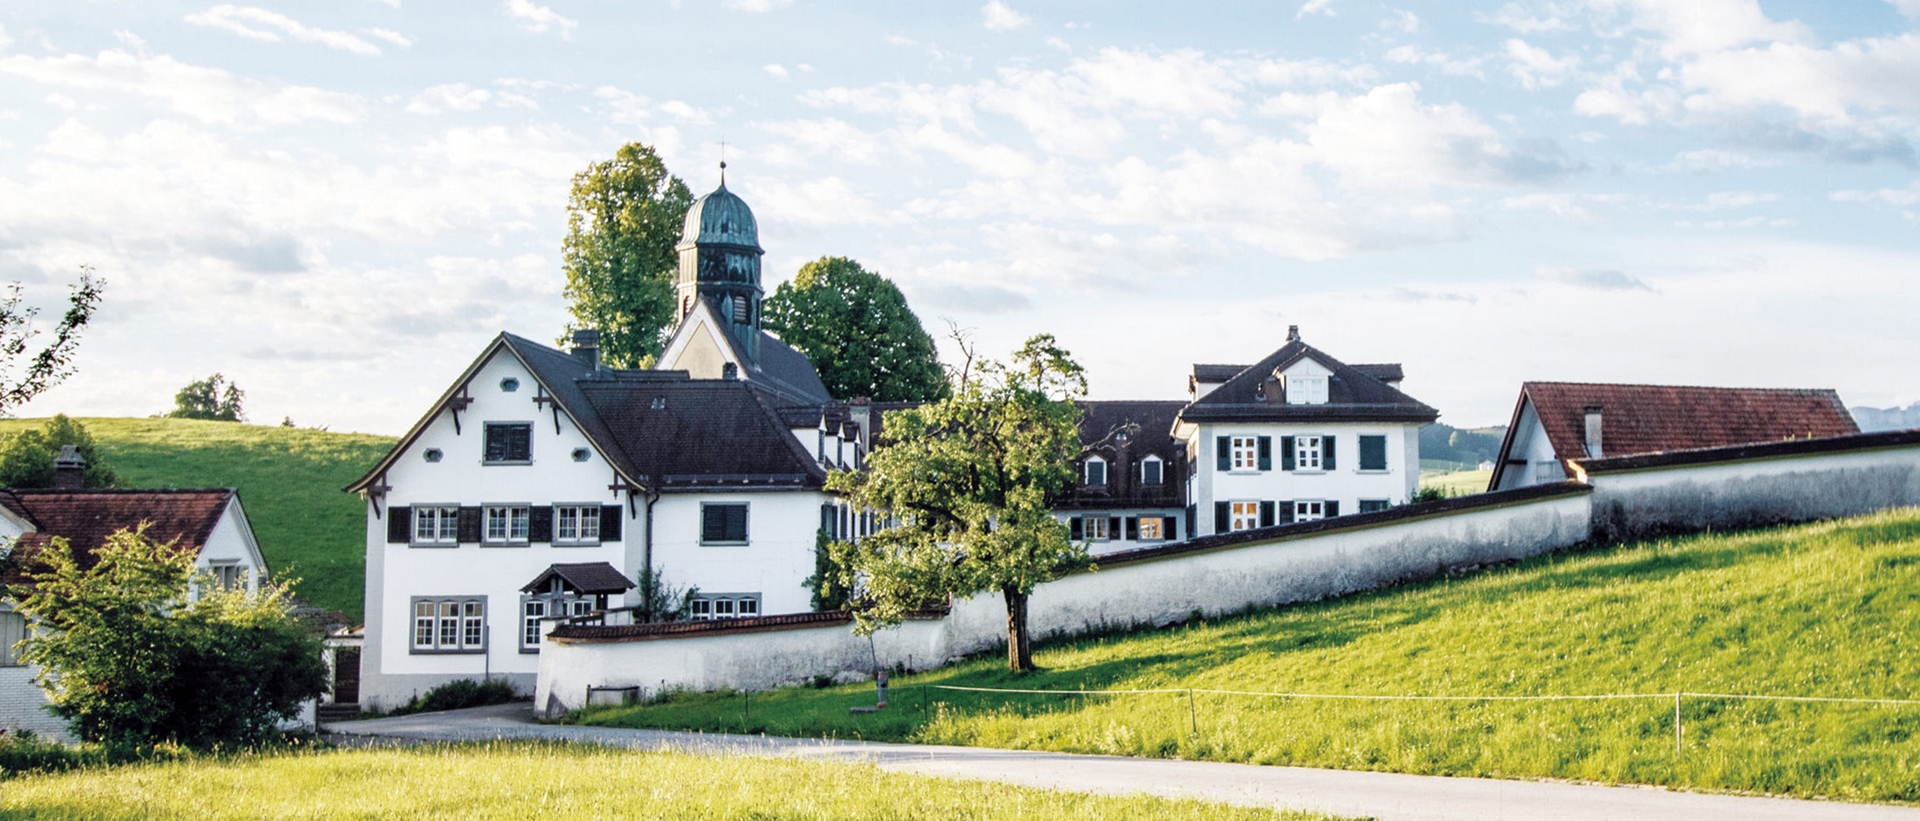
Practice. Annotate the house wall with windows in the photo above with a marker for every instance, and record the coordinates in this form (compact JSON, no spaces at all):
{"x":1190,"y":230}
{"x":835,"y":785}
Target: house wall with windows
{"x":1530,"y":459}
{"x":23,"y":705}
{"x":1266,"y":474}
{"x":473,"y":569}
{"x":740,"y":548}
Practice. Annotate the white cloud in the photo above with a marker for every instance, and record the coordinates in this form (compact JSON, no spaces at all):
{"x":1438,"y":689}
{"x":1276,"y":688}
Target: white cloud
{"x":1910,"y":8}
{"x":1314,"y":7}
{"x":1513,"y":16}
{"x":540,"y":19}
{"x":1403,"y":20}
{"x":259,"y":24}
{"x":1713,"y":159}
{"x":449,"y":97}
{"x":390,"y":36}
{"x":207,"y":94}
{"x":1535,"y":67}
{"x":1701,"y":26}
{"x":4,"y":39}
{"x":1891,"y":196}
{"x":776,"y":70}
{"x":757,"y":6}
{"x":1596,"y":279}
{"x":1719,"y":200}
{"x":997,"y":16}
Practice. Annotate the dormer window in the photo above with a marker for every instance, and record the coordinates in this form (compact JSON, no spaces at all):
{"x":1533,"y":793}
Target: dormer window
{"x":1306,"y":390}
{"x":1094,"y":472}
{"x":1152,"y":470}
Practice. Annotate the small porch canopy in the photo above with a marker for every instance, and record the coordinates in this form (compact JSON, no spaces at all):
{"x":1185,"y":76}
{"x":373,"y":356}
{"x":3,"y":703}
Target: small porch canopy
{"x":580,"y":579}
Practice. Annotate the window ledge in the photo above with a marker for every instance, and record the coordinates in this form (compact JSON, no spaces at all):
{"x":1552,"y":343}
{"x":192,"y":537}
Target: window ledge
{"x":529,"y":651}
{"x":724,"y":544}
{"x":558,"y":543}
{"x":508,"y":462}
{"x":1310,"y":471}
{"x":428,"y":651}
{"x":433,"y":545}
{"x":506,"y":544}
{"x":1373,"y":472}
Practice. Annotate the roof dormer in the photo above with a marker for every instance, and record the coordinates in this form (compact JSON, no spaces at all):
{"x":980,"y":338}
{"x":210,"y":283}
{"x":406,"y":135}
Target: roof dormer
{"x":1305,"y":382}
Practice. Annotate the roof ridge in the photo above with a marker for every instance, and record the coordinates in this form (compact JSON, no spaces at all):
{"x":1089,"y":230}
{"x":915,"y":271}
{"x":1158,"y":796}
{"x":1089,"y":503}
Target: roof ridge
{"x":1689,"y":387}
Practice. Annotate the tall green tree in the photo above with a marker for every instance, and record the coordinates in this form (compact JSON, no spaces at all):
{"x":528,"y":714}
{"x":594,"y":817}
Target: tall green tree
{"x":136,"y":650}
{"x":968,"y":483}
{"x":211,"y":398}
{"x":856,"y":327}
{"x":623,"y":218}
{"x":27,"y":459}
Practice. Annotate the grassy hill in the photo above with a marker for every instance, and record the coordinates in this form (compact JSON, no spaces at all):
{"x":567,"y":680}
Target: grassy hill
{"x":1818,"y":610}
{"x":289,"y":481}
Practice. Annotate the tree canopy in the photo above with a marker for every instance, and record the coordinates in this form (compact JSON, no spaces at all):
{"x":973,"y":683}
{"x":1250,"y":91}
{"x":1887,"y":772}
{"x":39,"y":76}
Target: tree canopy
{"x":24,"y":376}
{"x":211,"y":398}
{"x":968,"y":485}
{"x":623,"y":218}
{"x":856,"y":327}
{"x":26,"y":460}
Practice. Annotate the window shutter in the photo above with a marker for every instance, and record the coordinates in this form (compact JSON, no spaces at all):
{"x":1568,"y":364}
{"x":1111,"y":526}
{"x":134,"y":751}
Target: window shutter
{"x":1075,"y":530}
{"x":1266,"y":453}
{"x":1193,"y":519}
{"x":399,"y":525}
{"x":1326,"y":453}
{"x":1266,"y":514}
{"x":468,"y":526}
{"x":1286,"y":453}
{"x":610,"y":523}
{"x":1333,"y":509}
{"x":827,"y":520}
{"x":1168,"y":529}
{"x":540,"y":523}
{"x":1222,"y":517}
{"x":1113,"y":527}
{"x":1133,"y":528}
{"x":1223,"y":451}
{"x":713,"y":523}
{"x":736,"y":523}
{"x":1285,"y":516}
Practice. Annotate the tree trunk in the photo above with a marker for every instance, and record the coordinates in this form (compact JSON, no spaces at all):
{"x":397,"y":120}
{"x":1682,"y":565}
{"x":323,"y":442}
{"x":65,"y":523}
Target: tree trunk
{"x":1019,"y":647}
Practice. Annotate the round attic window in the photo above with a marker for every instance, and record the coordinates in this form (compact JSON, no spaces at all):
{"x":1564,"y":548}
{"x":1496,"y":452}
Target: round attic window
{"x":433,"y":454}
{"x":509,"y":384}
{"x":580,"y":454}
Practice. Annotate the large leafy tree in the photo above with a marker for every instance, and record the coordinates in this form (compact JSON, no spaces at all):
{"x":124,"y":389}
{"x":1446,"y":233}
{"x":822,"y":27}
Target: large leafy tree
{"x":856,"y":327}
{"x":623,"y":219}
{"x":968,"y":484}
{"x":212,"y":398}
{"x":24,"y":376}
{"x":137,"y":650}
{"x":27,"y":459}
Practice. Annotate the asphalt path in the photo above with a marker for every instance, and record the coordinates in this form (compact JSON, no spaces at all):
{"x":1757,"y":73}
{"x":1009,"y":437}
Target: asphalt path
{"x":1385,"y":796}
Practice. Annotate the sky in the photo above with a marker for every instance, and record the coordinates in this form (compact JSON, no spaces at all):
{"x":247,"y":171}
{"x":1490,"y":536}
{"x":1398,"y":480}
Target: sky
{"x":338,"y":204}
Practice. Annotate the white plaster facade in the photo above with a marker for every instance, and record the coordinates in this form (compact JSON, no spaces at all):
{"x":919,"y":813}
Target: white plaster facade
{"x":1346,"y":484}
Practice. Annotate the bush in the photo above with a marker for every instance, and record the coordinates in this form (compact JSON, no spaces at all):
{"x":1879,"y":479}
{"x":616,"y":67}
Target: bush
{"x":23,"y":752}
{"x":458,"y":695}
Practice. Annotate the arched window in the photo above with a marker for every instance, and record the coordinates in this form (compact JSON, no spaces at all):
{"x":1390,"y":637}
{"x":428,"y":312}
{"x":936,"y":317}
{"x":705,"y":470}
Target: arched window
{"x":1152,"y":470}
{"x":1094,"y":472}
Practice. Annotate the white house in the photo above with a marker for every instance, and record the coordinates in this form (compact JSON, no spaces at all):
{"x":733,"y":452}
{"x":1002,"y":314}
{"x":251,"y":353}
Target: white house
{"x":1297,"y":436}
{"x":209,"y":523}
{"x":1555,"y":423}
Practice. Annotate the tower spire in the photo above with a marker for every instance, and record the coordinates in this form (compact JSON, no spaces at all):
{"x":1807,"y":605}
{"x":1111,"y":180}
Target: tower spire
{"x":723,"y":163}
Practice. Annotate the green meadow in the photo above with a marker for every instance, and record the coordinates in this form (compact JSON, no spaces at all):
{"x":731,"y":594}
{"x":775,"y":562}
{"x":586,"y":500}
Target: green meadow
{"x":289,"y":481}
{"x":521,"y":781}
{"x":1818,"y":610}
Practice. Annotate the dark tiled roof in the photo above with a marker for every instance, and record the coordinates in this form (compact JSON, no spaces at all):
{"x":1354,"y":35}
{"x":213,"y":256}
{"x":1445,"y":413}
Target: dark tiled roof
{"x":1148,"y":426}
{"x":790,"y":371}
{"x":591,"y":578}
{"x":1638,"y":419}
{"x":87,"y":517}
{"x":706,"y":433}
{"x":1383,"y":371}
{"x":1351,"y":395}
{"x":1215,"y":373}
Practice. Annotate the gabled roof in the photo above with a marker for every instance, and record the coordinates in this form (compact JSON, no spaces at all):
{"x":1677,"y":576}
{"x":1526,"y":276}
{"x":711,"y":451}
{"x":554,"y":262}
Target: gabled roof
{"x":1215,"y":373}
{"x":706,"y":433}
{"x":1641,"y":419}
{"x":780,"y":370}
{"x":590,"y":578}
{"x":1352,"y":394}
{"x":1383,"y":371}
{"x":1148,"y":425}
{"x":87,"y":517}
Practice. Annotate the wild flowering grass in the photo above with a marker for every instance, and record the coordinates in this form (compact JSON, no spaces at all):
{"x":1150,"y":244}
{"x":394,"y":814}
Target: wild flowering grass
{"x":289,"y":481}
{"x":520,"y":781}
{"x":1817,"y":610}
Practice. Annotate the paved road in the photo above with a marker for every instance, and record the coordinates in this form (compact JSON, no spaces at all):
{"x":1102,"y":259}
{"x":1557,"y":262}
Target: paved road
{"x":1385,"y":796}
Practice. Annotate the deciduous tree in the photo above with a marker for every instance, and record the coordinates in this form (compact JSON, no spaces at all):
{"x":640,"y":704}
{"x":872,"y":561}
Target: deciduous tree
{"x":211,"y":398}
{"x":27,"y":459}
{"x":623,"y":218}
{"x":968,"y":485}
{"x":856,"y":327}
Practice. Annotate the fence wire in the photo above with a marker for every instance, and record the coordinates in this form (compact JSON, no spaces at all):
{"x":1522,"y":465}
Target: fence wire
{"x":1385,"y":697}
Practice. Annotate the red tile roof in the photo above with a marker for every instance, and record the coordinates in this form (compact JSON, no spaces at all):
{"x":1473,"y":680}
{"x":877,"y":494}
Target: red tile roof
{"x":1639,"y":419}
{"x":87,"y":517}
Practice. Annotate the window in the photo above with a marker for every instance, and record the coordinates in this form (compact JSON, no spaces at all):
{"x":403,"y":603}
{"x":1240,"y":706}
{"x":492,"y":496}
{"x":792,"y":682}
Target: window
{"x":1306,"y":390}
{"x":505,"y":524}
{"x":1306,"y":452}
{"x":555,"y":603}
{"x":1152,"y":529}
{"x":1095,"y":528}
{"x":531,"y":612}
{"x":726,"y":605}
{"x":1373,"y":452}
{"x":1548,"y":472}
{"x":1309,"y":511}
{"x":509,"y":443}
{"x":576,"y":524}
{"x":450,"y":625}
{"x":1151,"y":469}
{"x":723,"y":523}
{"x":1246,"y":515}
{"x":1095,"y":473}
{"x":1374,"y":505}
{"x":436,"y":525}
{"x":230,"y":576}
{"x":1246,"y":453}
{"x":13,"y":629}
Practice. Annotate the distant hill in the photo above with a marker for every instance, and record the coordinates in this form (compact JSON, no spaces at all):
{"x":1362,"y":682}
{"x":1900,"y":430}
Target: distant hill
{"x":1873,"y":419}
{"x":1464,"y":446}
{"x":289,"y":481}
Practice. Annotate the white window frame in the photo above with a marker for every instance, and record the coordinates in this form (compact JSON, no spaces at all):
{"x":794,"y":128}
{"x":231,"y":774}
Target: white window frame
{"x":1158,"y":526}
{"x":711,"y":606}
{"x":448,"y":624}
{"x":585,"y":526}
{"x":1302,"y":445}
{"x":515,"y":520}
{"x":1378,"y":504}
{"x":1160,"y":469}
{"x":1243,"y":514}
{"x":1095,"y":528}
{"x":443,"y":524}
{"x":1086,"y":472}
{"x":1309,"y":510}
{"x":1307,"y":390}
{"x":229,"y":575}
{"x":1245,"y":453}
{"x":13,"y":629}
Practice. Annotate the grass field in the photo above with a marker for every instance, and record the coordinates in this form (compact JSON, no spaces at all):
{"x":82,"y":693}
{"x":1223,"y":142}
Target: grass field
{"x":1818,"y":610}
{"x":289,"y":481}
{"x":521,"y":781}
{"x":1457,"y":482}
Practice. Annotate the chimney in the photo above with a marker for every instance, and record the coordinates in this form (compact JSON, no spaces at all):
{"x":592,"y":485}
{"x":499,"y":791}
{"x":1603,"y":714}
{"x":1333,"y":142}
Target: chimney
{"x":1293,"y":333}
{"x":586,"y":347}
{"x":729,"y":371}
{"x":69,"y":469}
{"x":1593,"y":432}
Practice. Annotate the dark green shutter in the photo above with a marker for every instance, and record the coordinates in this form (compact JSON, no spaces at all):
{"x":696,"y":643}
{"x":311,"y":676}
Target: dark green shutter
{"x":827,"y":520}
{"x":713,"y":523}
{"x":1222,"y":517}
{"x":1223,"y":452}
{"x":540,"y":523}
{"x":1266,"y":453}
{"x":399,"y":525}
{"x":1373,"y":453}
{"x":1326,"y":452}
{"x":1266,"y":514}
{"x":610,"y":519}
{"x":1133,"y":529}
{"x":1169,"y":530}
{"x":1286,"y":453}
{"x":736,"y":523}
{"x":468,"y":525}
{"x":1286,"y":512}
{"x":1076,"y":530}
{"x":1333,"y":509}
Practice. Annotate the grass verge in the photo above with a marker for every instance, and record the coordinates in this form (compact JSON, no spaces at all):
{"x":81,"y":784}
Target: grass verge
{"x":525,"y":780}
{"x":1818,"y":610}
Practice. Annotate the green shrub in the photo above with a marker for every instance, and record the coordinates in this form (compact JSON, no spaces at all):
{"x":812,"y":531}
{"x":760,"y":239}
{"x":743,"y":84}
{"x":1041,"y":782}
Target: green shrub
{"x":23,"y":752}
{"x":458,"y":695}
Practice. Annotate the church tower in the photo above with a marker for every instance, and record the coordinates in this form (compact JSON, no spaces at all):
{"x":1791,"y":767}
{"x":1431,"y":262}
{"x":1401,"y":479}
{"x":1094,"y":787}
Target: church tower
{"x":720,"y":263}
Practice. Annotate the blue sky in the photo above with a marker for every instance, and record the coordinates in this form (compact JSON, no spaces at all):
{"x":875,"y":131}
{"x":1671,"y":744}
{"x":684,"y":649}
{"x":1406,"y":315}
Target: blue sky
{"x":337,"y":204}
